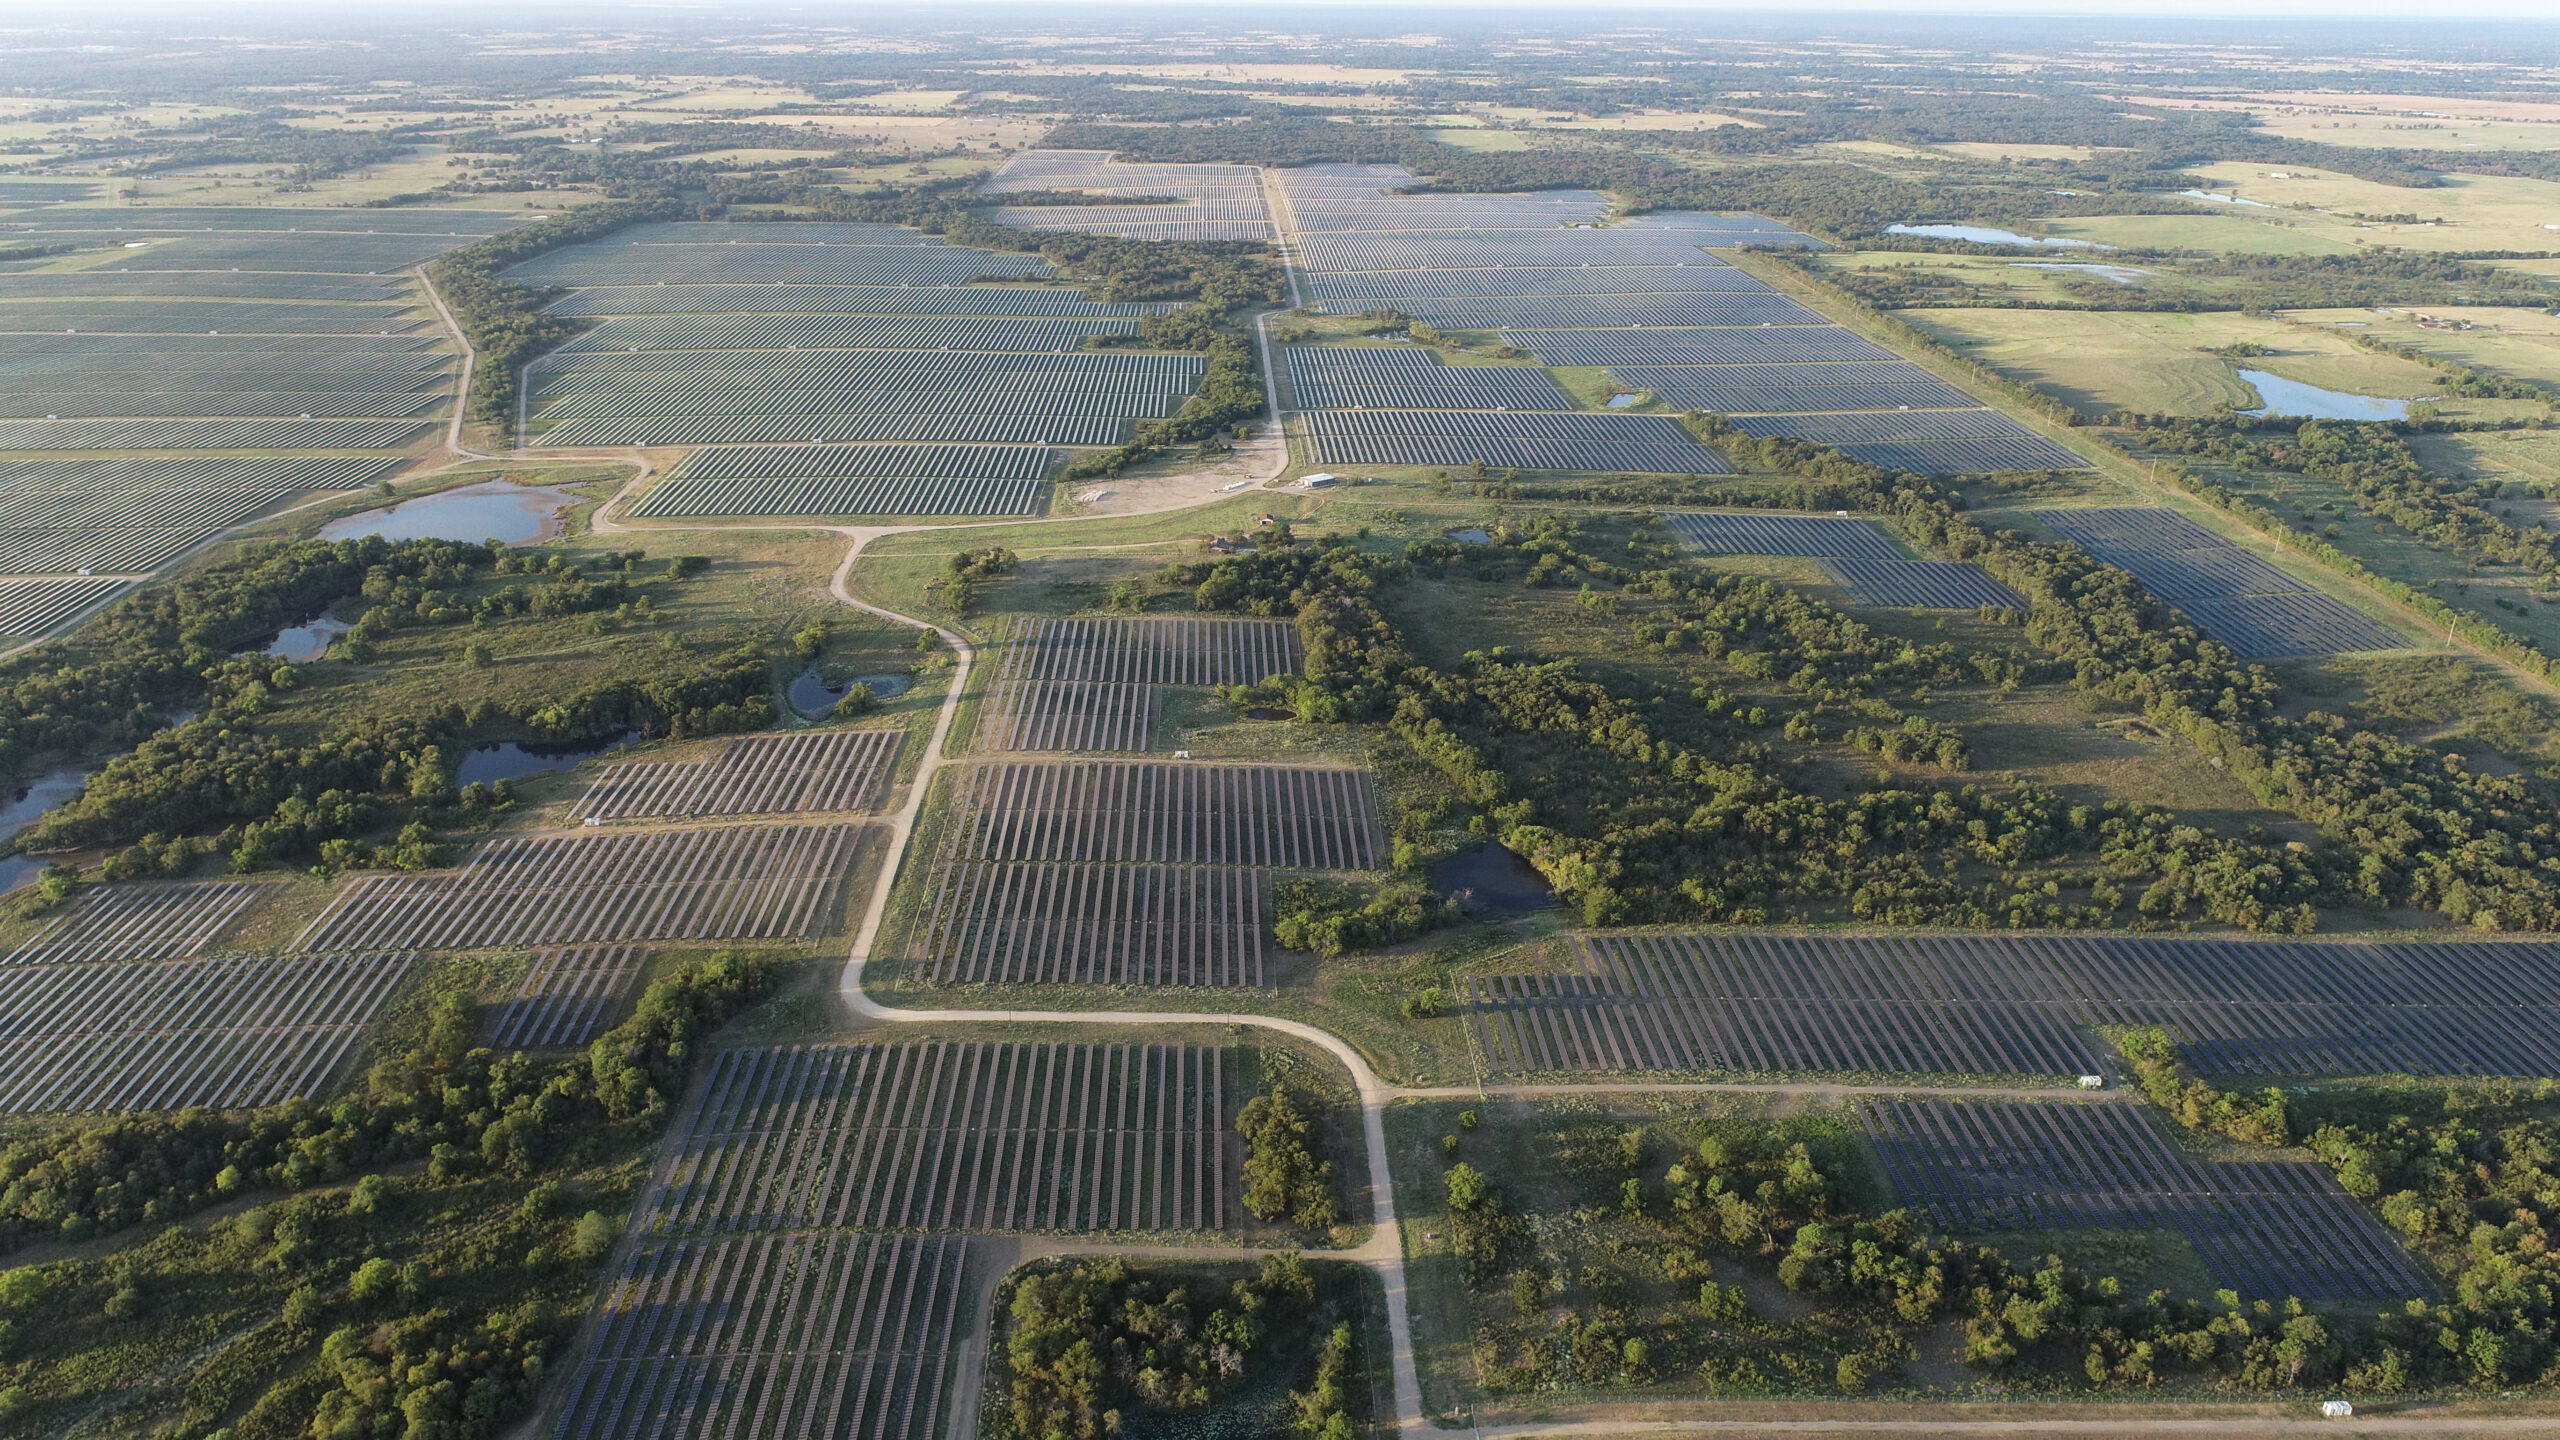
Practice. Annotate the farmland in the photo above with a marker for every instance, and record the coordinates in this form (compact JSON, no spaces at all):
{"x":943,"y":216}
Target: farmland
{"x":1216,"y":202}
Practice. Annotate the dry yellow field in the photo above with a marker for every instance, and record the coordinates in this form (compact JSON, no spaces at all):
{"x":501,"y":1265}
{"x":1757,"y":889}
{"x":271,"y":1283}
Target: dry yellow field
{"x":2508,"y":340}
{"x":2156,"y":363}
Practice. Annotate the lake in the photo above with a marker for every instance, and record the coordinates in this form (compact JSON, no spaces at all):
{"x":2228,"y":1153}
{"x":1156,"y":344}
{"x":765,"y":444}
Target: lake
{"x":2292,"y":397}
{"x":490,"y":510}
{"x":1985,"y":235}
{"x":509,"y":760}
{"x":47,"y":792}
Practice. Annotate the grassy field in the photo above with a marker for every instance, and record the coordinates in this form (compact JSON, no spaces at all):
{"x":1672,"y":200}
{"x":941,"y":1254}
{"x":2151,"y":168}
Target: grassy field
{"x":2470,"y":212}
{"x":2503,"y":339}
{"x":2256,"y":232}
{"x":2157,"y":363}
{"x":2401,"y":132}
{"x":2529,"y":458}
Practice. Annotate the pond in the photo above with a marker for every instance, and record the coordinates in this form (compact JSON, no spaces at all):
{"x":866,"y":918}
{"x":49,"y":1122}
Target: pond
{"x":814,"y":696}
{"x":510,"y":760}
{"x":2292,"y":397}
{"x":302,"y":644}
{"x":2220,"y":199}
{"x":2119,"y":274}
{"x":1491,"y":881}
{"x":490,"y":510}
{"x":1985,"y":235}
{"x":1623,"y":399}
{"x":47,"y":792}
{"x":1472,"y":535}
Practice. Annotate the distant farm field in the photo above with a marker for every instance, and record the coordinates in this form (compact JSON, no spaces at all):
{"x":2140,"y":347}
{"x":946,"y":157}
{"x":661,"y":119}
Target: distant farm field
{"x":2157,"y":363}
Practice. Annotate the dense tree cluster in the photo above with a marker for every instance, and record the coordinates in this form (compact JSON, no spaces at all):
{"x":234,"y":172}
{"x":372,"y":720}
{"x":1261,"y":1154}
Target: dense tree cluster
{"x":274,"y":792}
{"x":1642,"y":802}
{"x":1093,"y":1347}
{"x":1283,"y":1179}
{"x":2480,"y":849}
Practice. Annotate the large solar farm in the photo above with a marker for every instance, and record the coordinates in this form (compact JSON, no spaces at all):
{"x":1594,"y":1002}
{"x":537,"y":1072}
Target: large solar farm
{"x":197,"y":368}
{"x":1623,"y":825}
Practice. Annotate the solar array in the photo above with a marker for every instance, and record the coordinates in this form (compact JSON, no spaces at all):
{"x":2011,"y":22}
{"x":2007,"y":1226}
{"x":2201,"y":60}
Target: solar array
{"x":1725,"y":532}
{"x":1640,"y":297}
{"x":852,"y":335}
{"x":2023,"y":1005}
{"x":1645,"y":444}
{"x":855,"y":480}
{"x":1920,"y":584}
{"x":1217,"y":202}
{"x":2265,"y":1228}
{"x":203,"y":329}
{"x":1341,"y":377}
{"x":2242,"y":601}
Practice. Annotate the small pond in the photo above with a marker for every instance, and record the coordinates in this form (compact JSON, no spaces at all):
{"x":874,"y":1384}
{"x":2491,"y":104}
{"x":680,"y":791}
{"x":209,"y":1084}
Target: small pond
{"x":1985,"y":235}
{"x":302,"y":644}
{"x":1472,"y":535}
{"x":1624,"y":399}
{"x":490,"y":510}
{"x":47,"y":792}
{"x":2221,"y":199}
{"x":511,"y":760}
{"x":813,"y":695}
{"x":2292,"y":397}
{"x":2119,"y":274}
{"x":1490,"y":880}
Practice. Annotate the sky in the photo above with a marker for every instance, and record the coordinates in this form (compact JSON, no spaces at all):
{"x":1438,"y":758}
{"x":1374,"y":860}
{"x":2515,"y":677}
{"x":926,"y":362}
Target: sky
{"x":2542,"y":14}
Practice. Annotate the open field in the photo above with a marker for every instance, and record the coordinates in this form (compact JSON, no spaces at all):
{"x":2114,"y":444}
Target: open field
{"x":2157,"y":363}
{"x":2503,"y":340}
